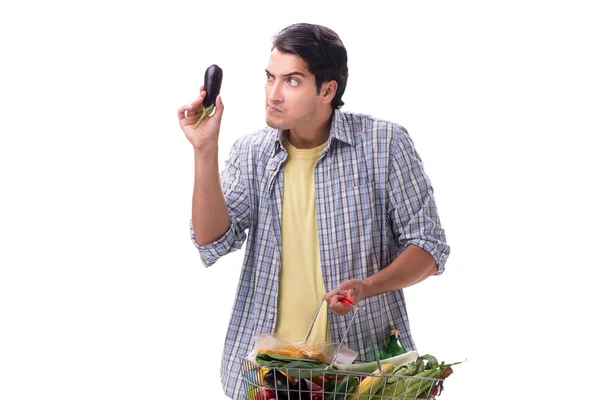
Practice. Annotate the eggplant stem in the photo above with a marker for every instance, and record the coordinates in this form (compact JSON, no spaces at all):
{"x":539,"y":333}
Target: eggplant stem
{"x":205,"y":113}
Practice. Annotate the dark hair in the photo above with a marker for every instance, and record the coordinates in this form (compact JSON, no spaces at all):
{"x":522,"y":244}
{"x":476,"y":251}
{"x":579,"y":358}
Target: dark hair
{"x":323,"y":52}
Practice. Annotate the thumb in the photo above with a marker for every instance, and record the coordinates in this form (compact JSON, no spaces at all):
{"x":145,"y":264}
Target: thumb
{"x":218,"y":109}
{"x":351,"y":285}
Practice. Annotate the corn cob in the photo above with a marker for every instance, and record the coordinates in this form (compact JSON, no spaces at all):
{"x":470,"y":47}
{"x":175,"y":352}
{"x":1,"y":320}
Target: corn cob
{"x":394,"y":388}
{"x":371,"y":384}
{"x":415,"y":387}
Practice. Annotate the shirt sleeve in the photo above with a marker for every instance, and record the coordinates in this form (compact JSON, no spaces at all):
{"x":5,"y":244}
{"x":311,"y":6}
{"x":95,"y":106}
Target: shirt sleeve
{"x":411,"y":205}
{"x":236,"y":197}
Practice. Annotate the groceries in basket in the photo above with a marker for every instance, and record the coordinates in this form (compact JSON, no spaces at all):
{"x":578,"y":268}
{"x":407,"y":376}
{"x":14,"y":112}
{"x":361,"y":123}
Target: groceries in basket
{"x":291,"y":388}
{"x":423,"y":378}
{"x":299,"y":359}
{"x":393,"y":346}
{"x":298,"y":350}
{"x":281,"y":370}
{"x":271,"y":345}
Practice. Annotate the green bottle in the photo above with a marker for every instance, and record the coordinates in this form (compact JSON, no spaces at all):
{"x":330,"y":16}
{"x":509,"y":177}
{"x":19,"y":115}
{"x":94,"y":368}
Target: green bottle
{"x":393,"y":346}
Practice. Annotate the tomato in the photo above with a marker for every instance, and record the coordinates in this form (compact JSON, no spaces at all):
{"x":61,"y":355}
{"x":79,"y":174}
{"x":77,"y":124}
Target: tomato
{"x":265,"y":394}
{"x":318,"y":380}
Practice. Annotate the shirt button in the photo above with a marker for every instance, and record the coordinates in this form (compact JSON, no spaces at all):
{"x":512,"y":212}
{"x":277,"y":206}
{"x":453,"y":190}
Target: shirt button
{"x":270,"y":316}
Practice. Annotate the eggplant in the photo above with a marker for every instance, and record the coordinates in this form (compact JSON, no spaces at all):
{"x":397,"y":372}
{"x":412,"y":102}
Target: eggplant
{"x":278,"y":383}
{"x":296,"y":389}
{"x":213,"y":77}
{"x":309,"y":390}
{"x":304,"y":389}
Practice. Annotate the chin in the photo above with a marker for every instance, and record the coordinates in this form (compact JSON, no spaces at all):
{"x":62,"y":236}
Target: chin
{"x":276,"y":125}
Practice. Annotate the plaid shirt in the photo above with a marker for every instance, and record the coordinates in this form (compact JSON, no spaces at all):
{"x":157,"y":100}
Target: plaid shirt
{"x":373,"y":199}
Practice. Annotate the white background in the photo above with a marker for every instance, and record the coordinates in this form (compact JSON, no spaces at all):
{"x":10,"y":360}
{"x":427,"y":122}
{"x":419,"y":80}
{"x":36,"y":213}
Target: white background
{"x":102,"y":294}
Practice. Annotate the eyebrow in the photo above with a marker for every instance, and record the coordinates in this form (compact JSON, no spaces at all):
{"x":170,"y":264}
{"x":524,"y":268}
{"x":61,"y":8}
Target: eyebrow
{"x":288,"y":74}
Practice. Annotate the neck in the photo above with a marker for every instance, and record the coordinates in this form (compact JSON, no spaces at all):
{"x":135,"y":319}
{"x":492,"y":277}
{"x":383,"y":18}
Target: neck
{"x":313,"y":134}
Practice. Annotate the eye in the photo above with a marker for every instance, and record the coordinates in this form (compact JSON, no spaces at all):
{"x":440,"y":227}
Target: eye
{"x":294,"y":82}
{"x":270,"y":78}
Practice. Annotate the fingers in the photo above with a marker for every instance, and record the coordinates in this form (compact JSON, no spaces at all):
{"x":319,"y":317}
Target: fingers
{"x":330,"y":295}
{"x":195,"y":108}
{"x":353,"y":289}
{"x":185,"y":112}
{"x":337,"y":307}
{"x":352,"y":284}
{"x":218,"y":109}
{"x":334,"y":301}
{"x":192,"y":109}
{"x":181,"y":112}
{"x":197,"y":104}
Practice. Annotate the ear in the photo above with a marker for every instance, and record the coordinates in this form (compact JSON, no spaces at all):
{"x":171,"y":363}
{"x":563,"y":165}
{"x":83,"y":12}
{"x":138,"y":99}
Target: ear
{"x":328,"y":91}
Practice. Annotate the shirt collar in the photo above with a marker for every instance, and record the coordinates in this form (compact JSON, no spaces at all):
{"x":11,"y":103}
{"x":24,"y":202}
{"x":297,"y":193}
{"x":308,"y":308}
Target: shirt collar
{"x":340,"y":130}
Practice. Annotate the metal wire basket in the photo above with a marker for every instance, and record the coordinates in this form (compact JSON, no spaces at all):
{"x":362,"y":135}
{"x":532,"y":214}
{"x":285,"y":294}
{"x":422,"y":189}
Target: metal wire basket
{"x":391,"y":387}
{"x":330,"y":383}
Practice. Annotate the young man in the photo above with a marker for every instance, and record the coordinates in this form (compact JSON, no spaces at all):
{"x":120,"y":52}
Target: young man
{"x":330,"y":204}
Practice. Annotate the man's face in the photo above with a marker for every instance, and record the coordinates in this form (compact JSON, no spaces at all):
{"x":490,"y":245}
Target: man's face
{"x":291,"y":92}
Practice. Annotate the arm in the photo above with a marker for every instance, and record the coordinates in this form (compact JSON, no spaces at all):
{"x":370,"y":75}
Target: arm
{"x":220,"y":211}
{"x":210,"y":218}
{"x":420,"y":240}
{"x":412,"y":266}
{"x":232,"y":194}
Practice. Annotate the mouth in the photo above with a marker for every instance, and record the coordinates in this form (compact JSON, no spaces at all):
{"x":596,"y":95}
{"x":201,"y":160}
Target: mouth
{"x":272,"y":109}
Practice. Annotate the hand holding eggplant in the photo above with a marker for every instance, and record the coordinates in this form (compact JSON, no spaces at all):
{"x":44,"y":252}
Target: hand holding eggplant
{"x":213,"y":77}
{"x":192,"y":115}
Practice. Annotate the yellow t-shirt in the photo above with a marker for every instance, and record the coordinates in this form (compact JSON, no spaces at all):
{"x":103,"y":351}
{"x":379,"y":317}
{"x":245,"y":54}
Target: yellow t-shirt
{"x":301,"y":287}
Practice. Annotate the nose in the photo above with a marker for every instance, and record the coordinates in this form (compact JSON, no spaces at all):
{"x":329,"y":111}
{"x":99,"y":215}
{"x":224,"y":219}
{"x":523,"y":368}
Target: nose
{"x":273,"y":91}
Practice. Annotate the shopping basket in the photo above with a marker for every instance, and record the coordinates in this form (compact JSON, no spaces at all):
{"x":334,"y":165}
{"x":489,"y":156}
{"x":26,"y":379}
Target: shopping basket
{"x":332,"y":383}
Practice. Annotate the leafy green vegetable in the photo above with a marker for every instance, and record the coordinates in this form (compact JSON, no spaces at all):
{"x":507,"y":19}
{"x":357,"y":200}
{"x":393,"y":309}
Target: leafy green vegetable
{"x":296,"y":367}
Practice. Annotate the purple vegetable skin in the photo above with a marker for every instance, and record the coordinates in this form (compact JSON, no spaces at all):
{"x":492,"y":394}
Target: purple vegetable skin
{"x":213,"y":77}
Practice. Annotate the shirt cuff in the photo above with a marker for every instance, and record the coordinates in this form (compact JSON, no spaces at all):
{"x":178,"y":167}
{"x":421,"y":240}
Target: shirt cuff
{"x":439,"y":252}
{"x":211,"y":252}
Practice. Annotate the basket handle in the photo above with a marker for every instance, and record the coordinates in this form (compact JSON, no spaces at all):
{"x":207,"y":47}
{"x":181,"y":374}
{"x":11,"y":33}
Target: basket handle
{"x":337,"y":351}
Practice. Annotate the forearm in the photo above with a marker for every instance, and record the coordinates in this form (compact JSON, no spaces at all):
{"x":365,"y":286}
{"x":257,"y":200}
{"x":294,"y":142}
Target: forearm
{"x":210,"y":218}
{"x":412,"y":266}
